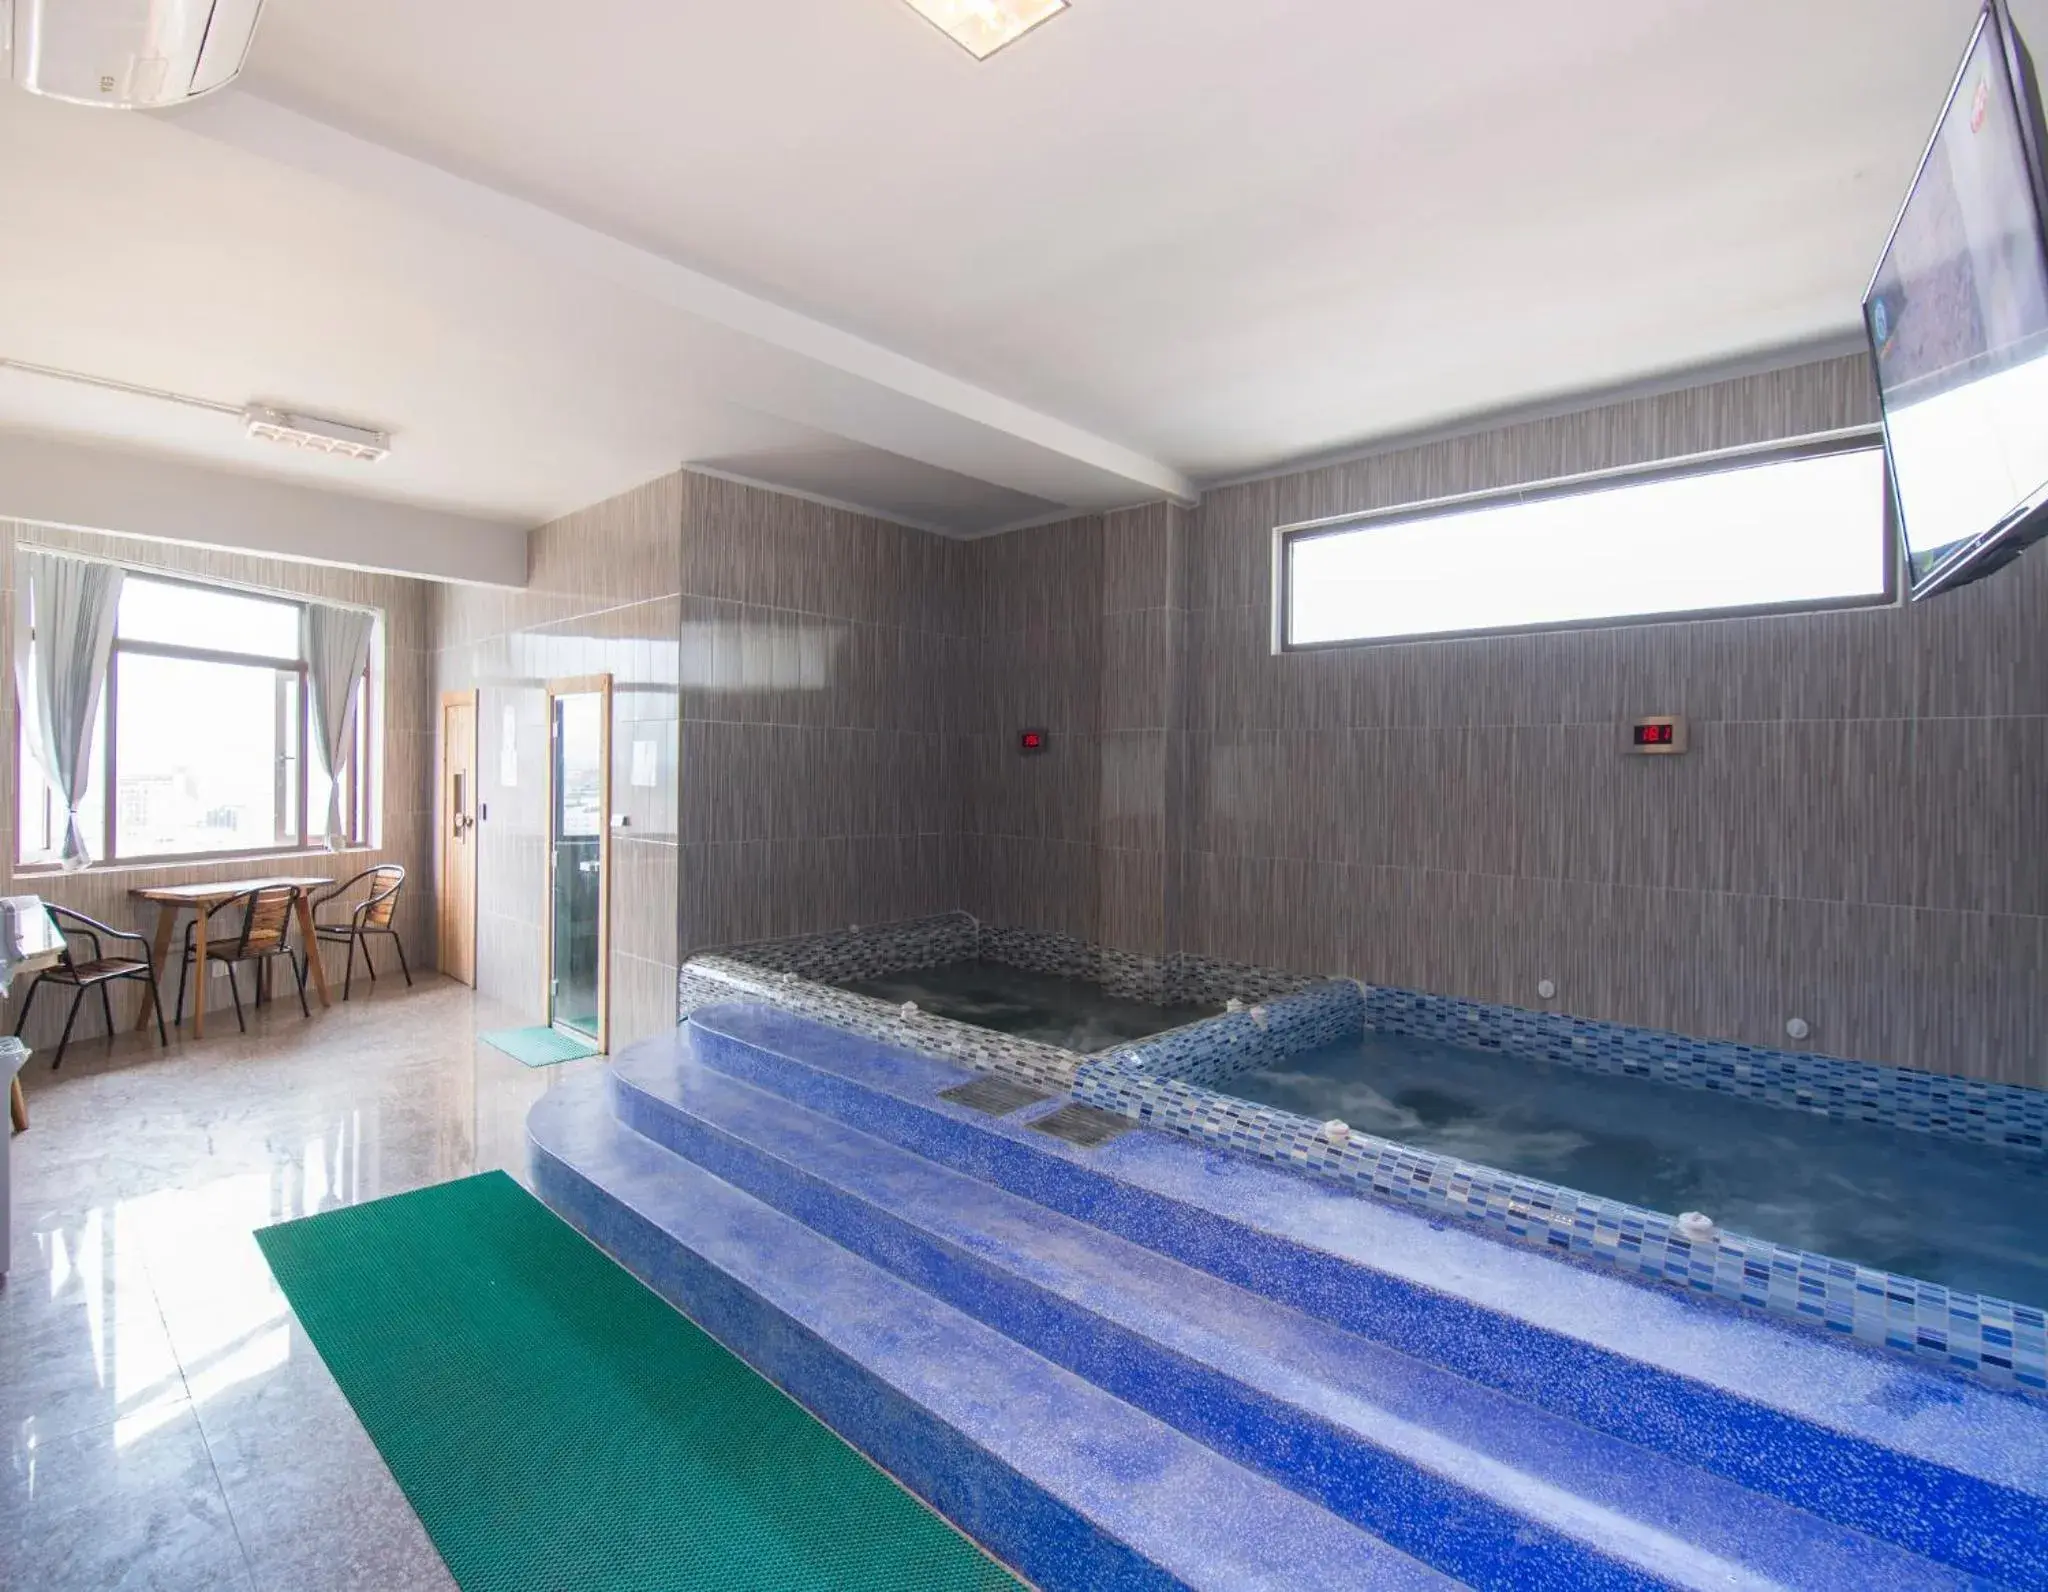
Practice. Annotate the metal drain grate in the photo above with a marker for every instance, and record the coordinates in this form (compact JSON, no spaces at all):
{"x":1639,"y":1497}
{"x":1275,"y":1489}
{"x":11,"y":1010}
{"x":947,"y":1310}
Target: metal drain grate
{"x":1086,"y":1126}
{"x":996,"y":1096}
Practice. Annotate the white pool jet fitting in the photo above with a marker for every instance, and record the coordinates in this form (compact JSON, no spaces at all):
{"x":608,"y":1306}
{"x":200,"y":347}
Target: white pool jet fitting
{"x":909,"y":1009}
{"x":1336,"y":1130}
{"x":1698,"y":1227}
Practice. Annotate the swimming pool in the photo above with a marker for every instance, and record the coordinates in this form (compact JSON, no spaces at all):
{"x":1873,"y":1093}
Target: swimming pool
{"x":1898,"y":1207}
{"x":1071,"y":1013}
{"x":1970,"y":1216}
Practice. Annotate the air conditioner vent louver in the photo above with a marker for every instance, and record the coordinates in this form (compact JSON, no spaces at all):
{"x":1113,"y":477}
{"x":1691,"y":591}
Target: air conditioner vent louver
{"x":127,"y":54}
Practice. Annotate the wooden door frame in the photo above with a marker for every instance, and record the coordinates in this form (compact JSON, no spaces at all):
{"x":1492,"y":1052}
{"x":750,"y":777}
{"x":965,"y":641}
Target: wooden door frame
{"x":599,"y":685}
{"x":471,"y":700}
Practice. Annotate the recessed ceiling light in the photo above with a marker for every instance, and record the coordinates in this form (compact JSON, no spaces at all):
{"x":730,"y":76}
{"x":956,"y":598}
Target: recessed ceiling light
{"x":982,"y":27}
{"x":317,"y":435}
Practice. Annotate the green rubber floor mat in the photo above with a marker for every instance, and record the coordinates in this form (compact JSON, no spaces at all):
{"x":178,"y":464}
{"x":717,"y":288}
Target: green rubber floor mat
{"x":539,"y":1047}
{"x":559,"y":1428}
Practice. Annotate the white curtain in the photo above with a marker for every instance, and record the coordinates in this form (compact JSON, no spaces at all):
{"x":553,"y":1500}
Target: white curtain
{"x":63,"y":635}
{"x":337,"y":645}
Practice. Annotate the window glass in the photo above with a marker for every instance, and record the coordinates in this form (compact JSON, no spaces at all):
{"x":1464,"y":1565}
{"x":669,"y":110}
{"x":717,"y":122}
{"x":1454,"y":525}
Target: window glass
{"x":173,"y":615}
{"x":1807,"y":529}
{"x":207,"y":754}
{"x":203,"y":780}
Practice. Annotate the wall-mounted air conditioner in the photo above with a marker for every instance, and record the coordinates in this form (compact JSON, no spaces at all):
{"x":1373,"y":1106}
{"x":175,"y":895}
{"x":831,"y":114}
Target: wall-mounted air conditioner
{"x":130,"y":54}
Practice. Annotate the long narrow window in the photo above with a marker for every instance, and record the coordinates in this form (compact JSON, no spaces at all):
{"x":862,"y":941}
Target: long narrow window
{"x":201,"y":747}
{"x":1759,"y":530}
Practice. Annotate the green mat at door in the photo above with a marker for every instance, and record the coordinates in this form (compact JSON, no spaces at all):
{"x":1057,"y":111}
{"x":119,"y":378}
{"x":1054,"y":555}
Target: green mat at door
{"x":559,"y":1428}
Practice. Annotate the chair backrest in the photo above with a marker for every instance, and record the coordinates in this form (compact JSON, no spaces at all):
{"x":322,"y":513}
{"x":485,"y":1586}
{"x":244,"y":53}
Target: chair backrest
{"x":383,"y":902}
{"x":267,"y":921}
{"x":76,"y":925}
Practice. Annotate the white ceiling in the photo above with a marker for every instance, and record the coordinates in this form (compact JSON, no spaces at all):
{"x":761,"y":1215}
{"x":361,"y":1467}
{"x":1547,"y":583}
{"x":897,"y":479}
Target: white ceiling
{"x":1157,"y":241}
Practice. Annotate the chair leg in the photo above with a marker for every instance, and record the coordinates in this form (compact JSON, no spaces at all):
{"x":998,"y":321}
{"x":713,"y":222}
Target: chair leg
{"x":299,"y":967}
{"x":398,"y":945}
{"x":235,"y":989}
{"x":368,"y":966}
{"x":28,"y":1000}
{"x":107,"y":1007}
{"x":77,"y":1001}
{"x":156,"y":1003}
{"x":178,"y":1018}
{"x":349,"y":976}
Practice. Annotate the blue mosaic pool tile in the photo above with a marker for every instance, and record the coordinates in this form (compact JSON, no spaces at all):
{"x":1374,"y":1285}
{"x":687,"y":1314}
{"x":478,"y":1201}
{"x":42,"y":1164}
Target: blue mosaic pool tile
{"x":2006,"y":1115}
{"x":1282,"y":1026}
{"x":1161,"y":1082}
{"x":1994,"y":1340}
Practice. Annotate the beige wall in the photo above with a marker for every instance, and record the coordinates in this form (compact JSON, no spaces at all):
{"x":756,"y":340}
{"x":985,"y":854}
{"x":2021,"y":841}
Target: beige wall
{"x":103,"y":893}
{"x":602,"y":597}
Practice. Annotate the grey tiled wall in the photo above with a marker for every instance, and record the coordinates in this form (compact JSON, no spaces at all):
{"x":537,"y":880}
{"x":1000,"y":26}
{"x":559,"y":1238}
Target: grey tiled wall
{"x":1854,"y":837}
{"x":408,"y":725}
{"x":1077,"y":628}
{"x":822,"y":668}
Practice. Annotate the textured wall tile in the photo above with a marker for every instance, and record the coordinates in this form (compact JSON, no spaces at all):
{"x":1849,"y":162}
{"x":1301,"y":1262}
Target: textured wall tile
{"x":1134,"y":678}
{"x":1136,"y":569}
{"x":1845,"y":769}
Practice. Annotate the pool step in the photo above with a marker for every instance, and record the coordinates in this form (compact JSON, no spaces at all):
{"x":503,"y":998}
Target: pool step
{"x":1932,"y":1464}
{"x":1478,"y":1485}
{"x":1061,"y":1480}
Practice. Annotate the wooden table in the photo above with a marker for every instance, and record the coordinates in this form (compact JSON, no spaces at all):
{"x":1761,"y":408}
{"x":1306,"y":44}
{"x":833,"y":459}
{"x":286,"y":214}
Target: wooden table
{"x":171,"y":899}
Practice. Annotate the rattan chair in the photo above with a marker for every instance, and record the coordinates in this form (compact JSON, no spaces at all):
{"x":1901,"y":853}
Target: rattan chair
{"x":265,"y":933}
{"x":372,"y":915}
{"x":96,"y":970}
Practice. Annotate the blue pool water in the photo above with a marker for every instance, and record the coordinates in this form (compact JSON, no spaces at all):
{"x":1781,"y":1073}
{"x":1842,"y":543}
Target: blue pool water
{"x":1068,"y":1012}
{"x":1967,"y":1215}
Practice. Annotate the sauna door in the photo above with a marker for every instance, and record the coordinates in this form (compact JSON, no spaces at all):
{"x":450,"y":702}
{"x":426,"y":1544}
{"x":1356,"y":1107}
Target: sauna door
{"x":455,"y":892}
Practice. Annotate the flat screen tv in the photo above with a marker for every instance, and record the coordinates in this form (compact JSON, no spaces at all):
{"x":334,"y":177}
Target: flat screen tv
{"x":1957,"y":316}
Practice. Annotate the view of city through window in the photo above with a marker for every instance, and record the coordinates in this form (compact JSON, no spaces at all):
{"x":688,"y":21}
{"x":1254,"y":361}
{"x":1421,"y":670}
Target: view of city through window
{"x":203,"y":729}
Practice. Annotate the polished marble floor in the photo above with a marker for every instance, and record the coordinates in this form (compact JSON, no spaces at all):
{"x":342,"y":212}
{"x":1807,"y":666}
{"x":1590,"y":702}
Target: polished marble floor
{"x":168,"y":1423}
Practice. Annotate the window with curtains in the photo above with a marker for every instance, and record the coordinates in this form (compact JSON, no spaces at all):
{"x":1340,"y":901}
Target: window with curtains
{"x":201,"y":747}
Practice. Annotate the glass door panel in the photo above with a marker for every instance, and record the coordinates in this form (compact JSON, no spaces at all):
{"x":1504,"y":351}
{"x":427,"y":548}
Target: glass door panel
{"x":577,"y":872}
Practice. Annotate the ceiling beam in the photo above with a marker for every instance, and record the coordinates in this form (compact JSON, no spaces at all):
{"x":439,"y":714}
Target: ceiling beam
{"x":762,"y":353}
{"x":97,"y":488}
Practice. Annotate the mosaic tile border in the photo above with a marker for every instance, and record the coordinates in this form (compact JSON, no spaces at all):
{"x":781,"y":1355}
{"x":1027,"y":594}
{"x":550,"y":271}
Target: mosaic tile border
{"x":872,"y":951}
{"x":859,"y":951}
{"x":801,"y":974}
{"x":1240,"y":1041}
{"x":705,"y":980}
{"x":2006,"y":1115}
{"x":1160,"y":1082}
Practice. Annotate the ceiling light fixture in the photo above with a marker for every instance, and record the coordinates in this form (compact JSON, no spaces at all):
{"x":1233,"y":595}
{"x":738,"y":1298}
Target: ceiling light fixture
{"x":317,"y":435}
{"x":311,"y":432}
{"x":982,"y":27}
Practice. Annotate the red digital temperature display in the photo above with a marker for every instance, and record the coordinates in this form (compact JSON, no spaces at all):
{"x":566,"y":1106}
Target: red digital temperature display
{"x":1659,"y":733}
